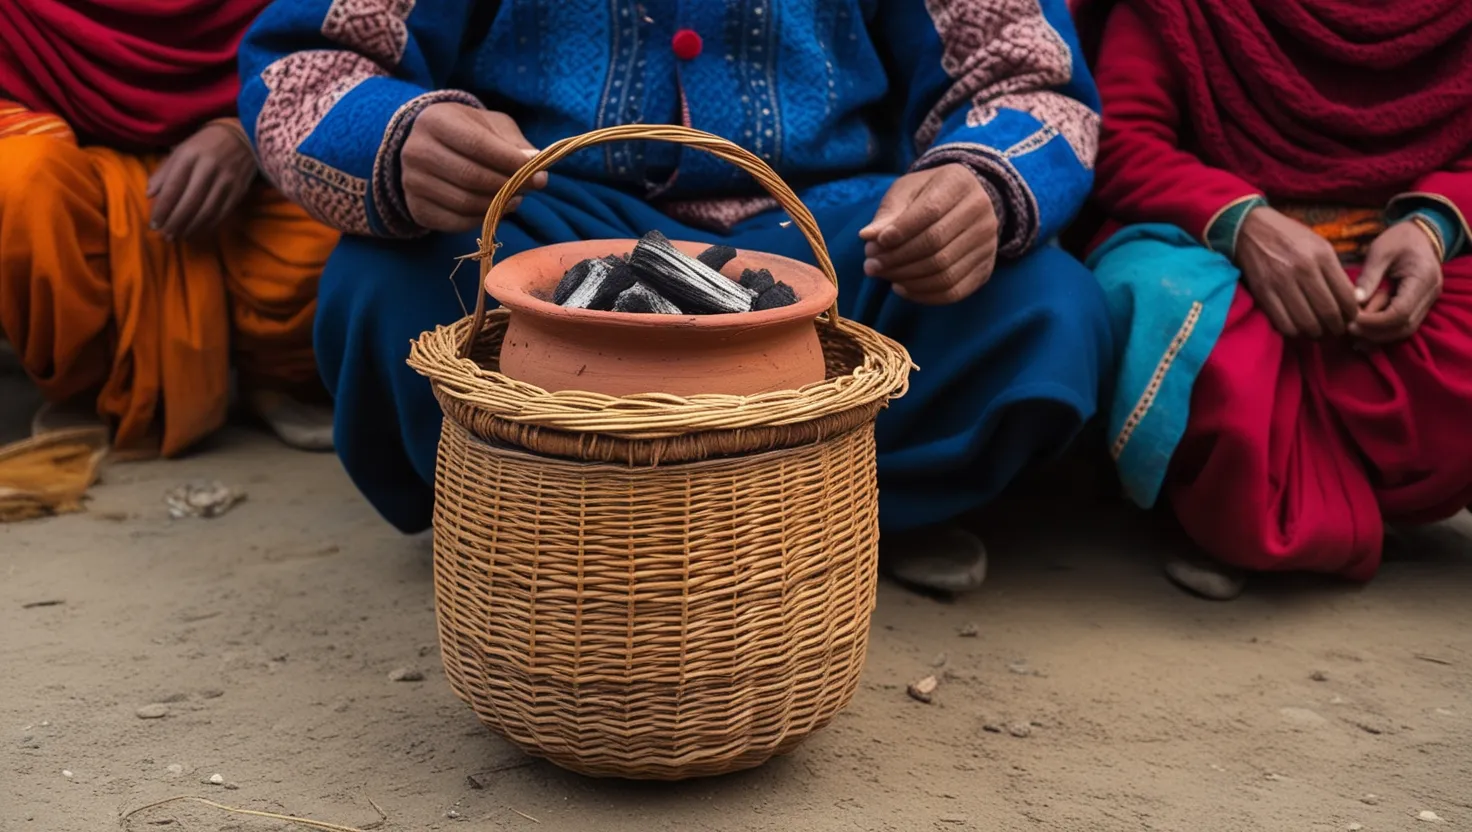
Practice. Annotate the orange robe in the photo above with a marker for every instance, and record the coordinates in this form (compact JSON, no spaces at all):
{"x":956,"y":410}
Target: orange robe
{"x":96,"y":303}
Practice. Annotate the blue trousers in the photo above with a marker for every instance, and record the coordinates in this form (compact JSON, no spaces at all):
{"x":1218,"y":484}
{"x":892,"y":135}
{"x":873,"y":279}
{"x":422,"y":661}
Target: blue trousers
{"x":1007,"y":378}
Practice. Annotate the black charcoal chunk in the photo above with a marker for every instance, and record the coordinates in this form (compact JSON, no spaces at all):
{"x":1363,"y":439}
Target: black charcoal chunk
{"x":570,"y":281}
{"x":757,"y":281}
{"x":717,"y":256}
{"x":779,"y":295}
{"x":605,"y":281}
{"x":689,"y":283}
{"x":641,"y":298}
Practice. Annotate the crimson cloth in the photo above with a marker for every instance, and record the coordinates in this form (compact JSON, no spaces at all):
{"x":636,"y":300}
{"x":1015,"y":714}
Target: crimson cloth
{"x":130,"y":74}
{"x":1329,"y":100}
{"x":1300,"y":467}
{"x":1296,"y":452}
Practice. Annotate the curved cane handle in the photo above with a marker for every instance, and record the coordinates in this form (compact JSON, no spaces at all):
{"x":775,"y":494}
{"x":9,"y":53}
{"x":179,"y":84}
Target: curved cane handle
{"x":689,"y":137}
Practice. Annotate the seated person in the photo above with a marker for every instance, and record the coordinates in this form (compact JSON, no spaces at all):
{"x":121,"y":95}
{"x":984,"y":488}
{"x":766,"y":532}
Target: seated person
{"x":139,"y":250}
{"x":1292,"y":291}
{"x":941,"y":145}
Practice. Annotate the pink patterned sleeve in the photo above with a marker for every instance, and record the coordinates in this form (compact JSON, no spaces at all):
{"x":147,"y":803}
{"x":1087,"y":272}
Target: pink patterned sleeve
{"x":330,"y":91}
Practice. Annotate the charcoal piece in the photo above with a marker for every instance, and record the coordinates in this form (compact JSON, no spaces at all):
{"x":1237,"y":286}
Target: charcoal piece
{"x":717,"y":256}
{"x":605,"y":280}
{"x":570,"y":281}
{"x":641,"y":298}
{"x":779,"y":295}
{"x":757,"y":281}
{"x":690,"y":284}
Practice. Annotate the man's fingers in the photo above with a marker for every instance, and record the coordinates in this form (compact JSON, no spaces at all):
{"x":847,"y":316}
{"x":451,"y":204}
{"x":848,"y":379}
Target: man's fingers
{"x":1340,"y":286}
{"x":435,"y":218}
{"x":936,"y":249}
{"x":1412,"y":301}
{"x":1377,"y":263}
{"x":185,"y":210}
{"x":160,"y":175}
{"x":971,"y":269}
{"x":1301,"y":311}
{"x":211,"y":210}
{"x":1379,"y":301}
{"x":898,"y":198}
{"x":968,"y":218}
{"x":940,"y":196}
{"x":1321,"y":299}
{"x":441,"y":162}
{"x":487,"y":140}
{"x":1272,"y":306}
{"x":447,"y":194}
{"x":170,"y":188}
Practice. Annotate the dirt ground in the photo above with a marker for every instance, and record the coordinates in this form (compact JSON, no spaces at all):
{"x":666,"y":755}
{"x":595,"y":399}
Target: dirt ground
{"x":269,"y":635}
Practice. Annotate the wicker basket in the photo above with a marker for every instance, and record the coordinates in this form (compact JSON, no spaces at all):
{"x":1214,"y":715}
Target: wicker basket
{"x":649,"y":586}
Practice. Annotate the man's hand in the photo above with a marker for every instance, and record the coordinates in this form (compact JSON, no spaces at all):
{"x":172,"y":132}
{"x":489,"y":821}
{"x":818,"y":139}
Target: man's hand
{"x":455,"y":160}
{"x":1405,"y":256}
{"x":1295,"y":276}
{"x":934,"y":236}
{"x":201,"y":181}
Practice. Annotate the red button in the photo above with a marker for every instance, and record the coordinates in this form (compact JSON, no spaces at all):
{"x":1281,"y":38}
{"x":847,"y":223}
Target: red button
{"x":687,"y":44}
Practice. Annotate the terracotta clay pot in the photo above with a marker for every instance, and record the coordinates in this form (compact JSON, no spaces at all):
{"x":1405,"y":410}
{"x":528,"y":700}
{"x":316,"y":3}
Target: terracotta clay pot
{"x":621,"y":353}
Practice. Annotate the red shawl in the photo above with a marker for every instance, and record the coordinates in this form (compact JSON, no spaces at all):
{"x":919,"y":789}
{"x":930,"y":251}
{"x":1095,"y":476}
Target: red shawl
{"x":1319,"y":98}
{"x":134,"y":74}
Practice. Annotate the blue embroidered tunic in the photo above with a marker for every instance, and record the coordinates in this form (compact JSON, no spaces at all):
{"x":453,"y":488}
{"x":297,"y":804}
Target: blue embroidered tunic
{"x":817,"y":88}
{"x":840,"y":96}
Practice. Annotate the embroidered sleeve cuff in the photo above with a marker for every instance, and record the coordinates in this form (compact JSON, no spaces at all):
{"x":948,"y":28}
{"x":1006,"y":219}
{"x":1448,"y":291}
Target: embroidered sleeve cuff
{"x":1221,"y":233}
{"x":1011,"y":199}
{"x":388,"y":185}
{"x":1439,"y":218}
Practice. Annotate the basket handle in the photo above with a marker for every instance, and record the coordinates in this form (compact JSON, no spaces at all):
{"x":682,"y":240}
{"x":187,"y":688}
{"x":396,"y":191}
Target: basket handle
{"x":689,"y":137}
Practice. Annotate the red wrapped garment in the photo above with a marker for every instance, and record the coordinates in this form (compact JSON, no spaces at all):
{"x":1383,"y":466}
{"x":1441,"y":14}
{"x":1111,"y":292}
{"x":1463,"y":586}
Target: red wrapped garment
{"x":129,"y":74}
{"x":1297,"y":452}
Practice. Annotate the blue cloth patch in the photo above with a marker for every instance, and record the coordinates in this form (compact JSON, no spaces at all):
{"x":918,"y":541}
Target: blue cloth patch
{"x":1168,"y":297}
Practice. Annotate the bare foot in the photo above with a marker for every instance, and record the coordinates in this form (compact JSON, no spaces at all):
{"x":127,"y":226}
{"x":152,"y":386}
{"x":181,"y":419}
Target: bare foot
{"x":944,"y":558}
{"x":1206,"y":578}
{"x":306,"y":427}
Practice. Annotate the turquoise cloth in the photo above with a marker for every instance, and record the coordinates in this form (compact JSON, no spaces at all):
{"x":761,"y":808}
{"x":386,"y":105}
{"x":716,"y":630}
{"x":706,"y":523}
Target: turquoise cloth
{"x":1168,"y":298}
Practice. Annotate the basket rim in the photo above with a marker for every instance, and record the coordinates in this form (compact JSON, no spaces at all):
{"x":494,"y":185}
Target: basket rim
{"x":881,"y":376}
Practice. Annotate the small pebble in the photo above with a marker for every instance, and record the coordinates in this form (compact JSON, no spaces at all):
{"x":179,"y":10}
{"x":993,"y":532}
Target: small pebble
{"x":968,"y":631}
{"x":175,"y":770}
{"x":67,"y":774}
{"x":940,"y":660}
{"x":452,"y":815}
{"x":1355,"y":827}
{"x":1020,"y":729}
{"x":217,"y":779}
{"x":1430,"y":817}
{"x":157,"y":710}
{"x":1021,"y":669}
{"x":1274,"y":777}
{"x":212,"y":693}
{"x":1371,"y":800}
{"x":992,"y":727}
{"x":1319,"y":676}
{"x":405,"y":674}
{"x":232,"y":786}
{"x":923,"y":690}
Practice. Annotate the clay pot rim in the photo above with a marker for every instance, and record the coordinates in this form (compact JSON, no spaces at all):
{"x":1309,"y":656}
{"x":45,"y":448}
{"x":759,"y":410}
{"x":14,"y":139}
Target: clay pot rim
{"x":815,"y":291}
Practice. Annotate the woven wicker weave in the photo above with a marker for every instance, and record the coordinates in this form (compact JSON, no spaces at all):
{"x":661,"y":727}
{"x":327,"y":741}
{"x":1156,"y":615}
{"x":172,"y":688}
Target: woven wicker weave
{"x":652,"y":586}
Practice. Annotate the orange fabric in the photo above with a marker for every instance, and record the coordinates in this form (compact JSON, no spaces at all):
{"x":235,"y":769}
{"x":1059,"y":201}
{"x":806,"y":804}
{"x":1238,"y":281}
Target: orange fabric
{"x":16,"y":120}
{"x":96,"y":302}
{"x":1349,"y":230}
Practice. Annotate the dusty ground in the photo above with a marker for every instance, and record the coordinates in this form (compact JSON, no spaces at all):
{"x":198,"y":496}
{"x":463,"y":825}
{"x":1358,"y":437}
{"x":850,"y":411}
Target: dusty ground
{"x":270,"y":634}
